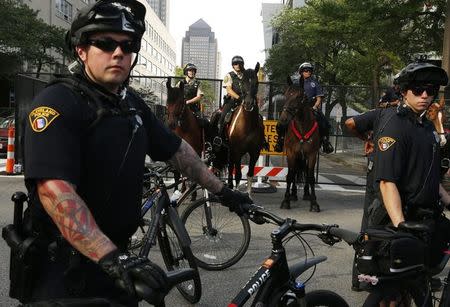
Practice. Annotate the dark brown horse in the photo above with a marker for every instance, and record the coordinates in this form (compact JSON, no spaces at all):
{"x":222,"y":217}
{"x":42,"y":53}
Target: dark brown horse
{"x":302,"y":144}
{"x":181,"y":120}
{"x":245,"y":131}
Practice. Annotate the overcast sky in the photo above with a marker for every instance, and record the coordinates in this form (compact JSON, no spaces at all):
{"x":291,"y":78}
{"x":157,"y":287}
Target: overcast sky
{"x":237,"y":25}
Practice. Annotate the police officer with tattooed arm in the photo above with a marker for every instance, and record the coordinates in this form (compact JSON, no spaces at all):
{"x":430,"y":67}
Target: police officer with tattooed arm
{"x":407,"y":163}
{"x":85,"y":145}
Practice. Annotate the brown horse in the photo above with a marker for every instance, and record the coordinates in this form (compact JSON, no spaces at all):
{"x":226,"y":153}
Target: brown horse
{"x":302,"y":144}
{"x":181,"y":120}
{"x":245,"y":132}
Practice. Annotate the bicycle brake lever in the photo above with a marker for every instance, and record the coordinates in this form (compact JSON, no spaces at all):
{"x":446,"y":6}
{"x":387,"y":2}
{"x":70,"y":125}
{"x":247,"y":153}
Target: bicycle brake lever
{"x":328,"y":239}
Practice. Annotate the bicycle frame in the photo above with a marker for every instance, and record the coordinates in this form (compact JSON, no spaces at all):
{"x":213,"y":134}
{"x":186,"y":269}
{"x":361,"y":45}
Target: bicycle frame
{"x":274,"y":278}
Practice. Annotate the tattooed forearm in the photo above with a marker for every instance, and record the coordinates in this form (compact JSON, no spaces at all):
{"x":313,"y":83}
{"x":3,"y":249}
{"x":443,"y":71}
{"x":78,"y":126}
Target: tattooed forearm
{"x":73,"y":219}
{"x":189,"y":164}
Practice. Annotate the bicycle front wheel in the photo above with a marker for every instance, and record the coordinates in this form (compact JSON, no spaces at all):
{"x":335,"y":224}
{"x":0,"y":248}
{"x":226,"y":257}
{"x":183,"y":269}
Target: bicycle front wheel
{"x":176,"y":257}
{"x":219,"y":237}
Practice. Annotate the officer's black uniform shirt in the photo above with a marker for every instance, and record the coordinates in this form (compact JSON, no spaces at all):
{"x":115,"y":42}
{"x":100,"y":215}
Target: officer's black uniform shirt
{"x":366,"y":122}
{"x":312,"y":88}
{"x":407,"y":155}
{"x":58,"y":145}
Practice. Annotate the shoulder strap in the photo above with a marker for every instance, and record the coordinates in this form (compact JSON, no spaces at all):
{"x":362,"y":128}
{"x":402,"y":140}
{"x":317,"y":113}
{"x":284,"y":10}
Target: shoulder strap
{"x":84,"y":91}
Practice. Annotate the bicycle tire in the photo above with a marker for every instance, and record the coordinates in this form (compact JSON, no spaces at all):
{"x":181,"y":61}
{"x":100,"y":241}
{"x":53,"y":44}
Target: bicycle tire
{"x":175,"y":257}
{"x":324,"y":298}
{"x":225,"y":244}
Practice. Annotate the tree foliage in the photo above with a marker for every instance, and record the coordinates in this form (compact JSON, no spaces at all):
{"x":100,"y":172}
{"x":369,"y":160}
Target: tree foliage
{"x":351,"y":40}
{"x":355,"y":42}
{"x":25,"y":37}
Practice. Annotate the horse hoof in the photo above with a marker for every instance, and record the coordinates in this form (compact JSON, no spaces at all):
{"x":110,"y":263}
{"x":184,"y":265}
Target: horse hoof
{"x":314,"y":208}
{"x":285,"y":205}
{"x":293,"y":197}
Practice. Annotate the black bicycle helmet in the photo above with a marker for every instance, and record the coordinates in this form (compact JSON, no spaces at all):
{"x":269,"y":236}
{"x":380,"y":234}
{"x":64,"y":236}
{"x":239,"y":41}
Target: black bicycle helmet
{"x":420,"y":72}
{"x":189,"y":66}
{"x":305,"y":66}
{"x":237,"y":59}
{"x":108,"y":16}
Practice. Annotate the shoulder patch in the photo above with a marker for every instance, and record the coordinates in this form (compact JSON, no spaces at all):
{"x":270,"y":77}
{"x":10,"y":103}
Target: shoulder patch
{"x":41,"y":117}
{"x":385,"y":143}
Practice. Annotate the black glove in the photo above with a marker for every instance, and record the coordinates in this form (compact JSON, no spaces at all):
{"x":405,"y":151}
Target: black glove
{"x":233,"y":200}
{"x":127,"y":270}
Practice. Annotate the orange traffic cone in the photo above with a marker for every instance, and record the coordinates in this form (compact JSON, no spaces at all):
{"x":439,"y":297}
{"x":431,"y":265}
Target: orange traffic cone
{"x":10,"y":152}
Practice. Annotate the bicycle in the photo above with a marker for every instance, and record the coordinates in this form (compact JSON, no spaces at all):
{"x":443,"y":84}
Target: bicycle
{"x":219,"y":238}
{"x":160,"y":220}
{"x":416,"y":283}
{"x":275,"y":283}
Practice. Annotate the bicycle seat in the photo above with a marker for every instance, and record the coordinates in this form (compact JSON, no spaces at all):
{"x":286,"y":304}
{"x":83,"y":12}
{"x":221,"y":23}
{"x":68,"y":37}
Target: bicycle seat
{"x":413,"y":227}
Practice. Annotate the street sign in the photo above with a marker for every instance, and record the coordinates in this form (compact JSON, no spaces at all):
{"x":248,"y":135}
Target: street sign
{"x":270,"y":132}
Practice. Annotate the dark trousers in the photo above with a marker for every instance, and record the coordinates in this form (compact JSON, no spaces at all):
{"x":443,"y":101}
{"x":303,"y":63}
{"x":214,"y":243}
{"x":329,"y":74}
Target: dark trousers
{"x":227,"y":106}
{"x":324,"y":125}
{"x":63,"y":279}
{"x":369,"y":198}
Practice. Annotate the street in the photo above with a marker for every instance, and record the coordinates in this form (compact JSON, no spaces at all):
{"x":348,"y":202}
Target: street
{"x":340,"y":207}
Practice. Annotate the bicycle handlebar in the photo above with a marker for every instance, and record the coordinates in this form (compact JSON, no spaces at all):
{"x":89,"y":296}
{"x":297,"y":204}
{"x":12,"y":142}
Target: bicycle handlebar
{"x":330,"y":234}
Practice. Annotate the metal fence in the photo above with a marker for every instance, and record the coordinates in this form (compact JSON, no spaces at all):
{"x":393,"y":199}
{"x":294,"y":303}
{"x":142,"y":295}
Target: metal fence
{"x":346,"y":164}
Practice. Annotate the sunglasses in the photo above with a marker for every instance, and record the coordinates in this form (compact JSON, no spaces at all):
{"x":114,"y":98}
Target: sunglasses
{"x":109,"y":45}
{"x":236,"y":63}
{"x":431,"y":89}
{"x":306,"y":70}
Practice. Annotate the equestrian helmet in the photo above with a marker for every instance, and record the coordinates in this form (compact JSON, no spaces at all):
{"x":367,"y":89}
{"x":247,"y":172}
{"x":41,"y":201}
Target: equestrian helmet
{"x":189,"y":66}
{"x":305,"y":66}
{"x":120,"y":16}
{"x":421,"y":72}
{"x":237,"y":59}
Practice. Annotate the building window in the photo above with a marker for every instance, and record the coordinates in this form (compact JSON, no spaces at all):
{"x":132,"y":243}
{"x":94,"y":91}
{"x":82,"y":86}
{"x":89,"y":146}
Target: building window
{"x":64,"y":10}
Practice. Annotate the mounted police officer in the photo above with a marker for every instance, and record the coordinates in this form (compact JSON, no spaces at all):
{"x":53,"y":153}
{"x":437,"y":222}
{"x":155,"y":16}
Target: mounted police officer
{"x":233,"y":85}
{"x":192,"y":89}
{"x":407,"y":164}
{"x":314,"y":92}
{"x":85,"y":145}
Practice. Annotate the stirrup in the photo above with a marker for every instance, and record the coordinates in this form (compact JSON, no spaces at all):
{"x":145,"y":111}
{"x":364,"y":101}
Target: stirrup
{"x":217,"y":141}
{"x":327,"y":147}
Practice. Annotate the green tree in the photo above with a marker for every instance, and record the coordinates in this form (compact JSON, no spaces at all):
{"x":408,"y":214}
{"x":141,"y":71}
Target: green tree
{"x":352,"y":42}
{"x":24,"y":37}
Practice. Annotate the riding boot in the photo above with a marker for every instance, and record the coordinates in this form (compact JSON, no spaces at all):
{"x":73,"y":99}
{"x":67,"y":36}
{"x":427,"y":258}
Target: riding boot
{"x":326,"y":145}
{"x":281,"y":131}
{"x":279,"y":145}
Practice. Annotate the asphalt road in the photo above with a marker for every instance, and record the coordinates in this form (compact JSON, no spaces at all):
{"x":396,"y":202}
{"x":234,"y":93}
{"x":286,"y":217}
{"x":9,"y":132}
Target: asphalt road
{"x":343,"y":208}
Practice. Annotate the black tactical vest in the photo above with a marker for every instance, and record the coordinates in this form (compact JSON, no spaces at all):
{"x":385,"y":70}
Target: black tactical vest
{"x":190,"y":89}
{"x":237,"y":85}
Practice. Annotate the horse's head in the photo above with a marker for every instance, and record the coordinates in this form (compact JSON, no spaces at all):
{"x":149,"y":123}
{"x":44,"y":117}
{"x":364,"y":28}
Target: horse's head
{"x":250,"y":83}
{"x":296,"y":100}
{"x":175,"y":104}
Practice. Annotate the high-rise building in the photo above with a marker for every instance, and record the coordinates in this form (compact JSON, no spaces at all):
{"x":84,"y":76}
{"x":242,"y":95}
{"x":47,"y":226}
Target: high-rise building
{"x":199,"y":46}
{"x":157,"y":56}
{"x":161,"y":9}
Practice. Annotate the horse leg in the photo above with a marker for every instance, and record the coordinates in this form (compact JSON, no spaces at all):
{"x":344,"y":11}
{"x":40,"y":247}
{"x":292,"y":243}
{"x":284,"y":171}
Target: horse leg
{"x":251,"y":172}
{"x":286,"y":203}
{"x":230,"y":174}
{"x":238,"y":175}
{"x":304,"y":172}
{"x":293,"y":196}
{"x":314,"y":206}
